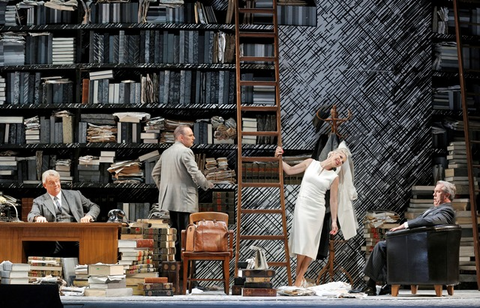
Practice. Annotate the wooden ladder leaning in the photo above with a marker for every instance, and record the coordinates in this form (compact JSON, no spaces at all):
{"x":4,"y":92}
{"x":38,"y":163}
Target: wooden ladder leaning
{"x":246,"y":68}
{"x":470,"y":142}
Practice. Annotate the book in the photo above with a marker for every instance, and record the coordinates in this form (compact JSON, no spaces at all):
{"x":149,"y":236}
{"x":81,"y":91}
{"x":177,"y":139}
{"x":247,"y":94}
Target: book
{"x":105,"y":269}
{"x":24,"y":280}
{"x":258,"y":273}
{"x":21,"y":267}
{"x":259,"y":292}
{"x":13,"y":274}
{"x":115,"y":292}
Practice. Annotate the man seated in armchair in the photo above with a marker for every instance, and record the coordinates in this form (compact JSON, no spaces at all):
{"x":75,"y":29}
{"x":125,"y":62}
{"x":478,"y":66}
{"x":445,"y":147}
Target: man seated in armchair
{"x":441,"y":213}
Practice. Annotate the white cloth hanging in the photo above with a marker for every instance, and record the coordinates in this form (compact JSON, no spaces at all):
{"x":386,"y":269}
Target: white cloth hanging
{"x":347,"y":193}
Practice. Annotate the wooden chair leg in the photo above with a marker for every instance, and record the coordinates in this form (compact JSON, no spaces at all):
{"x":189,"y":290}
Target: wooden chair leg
{"x":185,"y":275}
{"x":438,"y":290}
{"x":226,"y":276}
{"x":414,"y":288}
{"x":395,"y":289}
{"x":450,"y":290}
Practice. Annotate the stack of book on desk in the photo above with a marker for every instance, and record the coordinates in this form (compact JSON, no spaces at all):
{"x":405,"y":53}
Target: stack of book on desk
{"x":14,"y":273}
{"x":41,"y":266}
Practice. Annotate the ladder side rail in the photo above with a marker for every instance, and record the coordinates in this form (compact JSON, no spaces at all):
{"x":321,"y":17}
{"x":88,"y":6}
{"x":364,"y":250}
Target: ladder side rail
{"x":471,"y":177}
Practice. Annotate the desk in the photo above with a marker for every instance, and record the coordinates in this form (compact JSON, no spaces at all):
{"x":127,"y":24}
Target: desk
{"x":98,"y":242}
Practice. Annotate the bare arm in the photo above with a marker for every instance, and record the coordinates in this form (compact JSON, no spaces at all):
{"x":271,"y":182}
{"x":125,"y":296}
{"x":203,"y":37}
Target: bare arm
{"x":298,"y":168}
{"x":334,"y":205}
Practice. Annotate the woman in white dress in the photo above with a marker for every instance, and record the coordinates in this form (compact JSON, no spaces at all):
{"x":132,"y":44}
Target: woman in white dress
{"x":309,"y":210}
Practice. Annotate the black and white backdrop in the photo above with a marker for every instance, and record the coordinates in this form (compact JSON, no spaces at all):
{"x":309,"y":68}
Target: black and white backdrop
{"x":374,"y":59}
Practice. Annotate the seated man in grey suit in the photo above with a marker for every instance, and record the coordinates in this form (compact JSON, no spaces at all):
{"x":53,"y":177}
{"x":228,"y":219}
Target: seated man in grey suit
{"x":441,"y":213}
{"x":58,"y":205}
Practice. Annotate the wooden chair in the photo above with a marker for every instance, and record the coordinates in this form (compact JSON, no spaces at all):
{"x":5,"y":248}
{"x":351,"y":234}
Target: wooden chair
{"x":189,"y":257}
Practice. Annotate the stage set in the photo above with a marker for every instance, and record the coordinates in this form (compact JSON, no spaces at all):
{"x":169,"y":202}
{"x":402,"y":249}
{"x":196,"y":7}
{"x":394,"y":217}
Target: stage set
{"x":424,"y":298}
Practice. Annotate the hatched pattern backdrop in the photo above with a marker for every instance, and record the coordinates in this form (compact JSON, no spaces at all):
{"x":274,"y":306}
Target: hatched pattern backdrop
{"x":374,"y":59}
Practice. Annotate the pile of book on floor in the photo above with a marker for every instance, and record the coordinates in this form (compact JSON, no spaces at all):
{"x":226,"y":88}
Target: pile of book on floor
{"x":107,"y":280}
{"x":142,"y":246}
{"x":376,"y":225}
{"x":258,"y":282}
{"x":14,"y":273}
{"x":156,"y":286}
{"x":41,"y":266}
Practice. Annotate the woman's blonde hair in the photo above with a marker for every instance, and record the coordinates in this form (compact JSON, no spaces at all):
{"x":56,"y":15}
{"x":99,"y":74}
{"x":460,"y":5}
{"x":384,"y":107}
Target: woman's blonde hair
{"x":343,"y":151}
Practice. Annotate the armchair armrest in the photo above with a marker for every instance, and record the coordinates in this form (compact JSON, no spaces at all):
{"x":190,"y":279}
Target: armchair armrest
{"x":437,"y":228}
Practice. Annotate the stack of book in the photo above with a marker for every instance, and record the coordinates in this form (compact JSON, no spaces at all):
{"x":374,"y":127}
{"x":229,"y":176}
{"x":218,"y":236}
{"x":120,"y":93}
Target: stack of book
{"x":41,"y":266}
{"x":152,"y":129}
{"x":8,"y":169}
{"x":107,"y":280}
{"x":14,"y":273}
{"x":421,"y":200}
{"x":126,"y":172}
{"x":63,"y":50}
{"x":217,"y":171}
{"x":63,"y":167}
{"x":32,"y":130}
{"x":457,"y":172}
{"x":249,"y":125}
{"x":171,"y":270}
{"x":258,"y":282}
{"x":157,"y":286}
{"x":81,"y":276}
{"x":376,"y":224}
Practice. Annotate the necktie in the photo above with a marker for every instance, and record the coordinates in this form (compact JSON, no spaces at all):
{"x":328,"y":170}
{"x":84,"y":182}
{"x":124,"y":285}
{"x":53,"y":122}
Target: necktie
{"x":57,"y":204}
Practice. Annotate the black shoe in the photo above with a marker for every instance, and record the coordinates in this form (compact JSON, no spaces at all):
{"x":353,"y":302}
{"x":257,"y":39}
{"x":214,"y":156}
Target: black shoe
{"x":386,"y":289}
{"x":370,"y":291}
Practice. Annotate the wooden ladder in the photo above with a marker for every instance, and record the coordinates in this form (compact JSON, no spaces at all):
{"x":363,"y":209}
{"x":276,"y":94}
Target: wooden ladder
{"x":469,"y":141}
{"x":266,"y":33}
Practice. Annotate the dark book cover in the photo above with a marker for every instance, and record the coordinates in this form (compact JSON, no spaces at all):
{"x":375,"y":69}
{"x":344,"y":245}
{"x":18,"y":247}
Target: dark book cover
{"x":259,"y":292}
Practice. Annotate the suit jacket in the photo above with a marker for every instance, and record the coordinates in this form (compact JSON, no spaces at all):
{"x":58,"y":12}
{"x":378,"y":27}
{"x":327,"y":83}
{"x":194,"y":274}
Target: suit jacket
{"x":438,"y":215}
{"x":76,"y":202}
{"x":177,"y":177}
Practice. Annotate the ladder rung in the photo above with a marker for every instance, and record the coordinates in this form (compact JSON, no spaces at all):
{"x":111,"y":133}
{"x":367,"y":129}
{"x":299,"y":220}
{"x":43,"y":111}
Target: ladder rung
{"x":262,"y":237}
{"x":259,"y":108}
{"x":261,"y":133}
{"x":257,"y":10}
{"x":257,"y":83}
{"x":261,"y":184}
{"x":263,"y":59}
{"x":257,"y":34}
{"x":261,"y":211}
{"x":260,"y":158}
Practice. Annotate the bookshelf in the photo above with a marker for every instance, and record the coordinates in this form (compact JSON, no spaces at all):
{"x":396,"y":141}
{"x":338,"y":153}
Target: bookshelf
{"x":456,"y":100}
{"x":135,"y":57}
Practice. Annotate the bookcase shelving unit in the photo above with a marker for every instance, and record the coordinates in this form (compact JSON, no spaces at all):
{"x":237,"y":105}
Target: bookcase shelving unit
{"x":456,"y":30}
{"x":25,"y":85}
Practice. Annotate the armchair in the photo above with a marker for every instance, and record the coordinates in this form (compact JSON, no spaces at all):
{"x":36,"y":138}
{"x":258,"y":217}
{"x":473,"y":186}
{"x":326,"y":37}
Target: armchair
{"x":424,"y":256}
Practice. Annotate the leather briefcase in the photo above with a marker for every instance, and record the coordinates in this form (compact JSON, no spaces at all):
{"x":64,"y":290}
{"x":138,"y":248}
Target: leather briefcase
{"x":207,"y":235}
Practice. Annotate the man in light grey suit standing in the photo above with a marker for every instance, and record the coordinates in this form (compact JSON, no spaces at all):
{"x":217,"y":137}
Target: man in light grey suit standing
{"x":58,"y":205}
{"x":177,"y":177}
{"x":441,"y":213}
